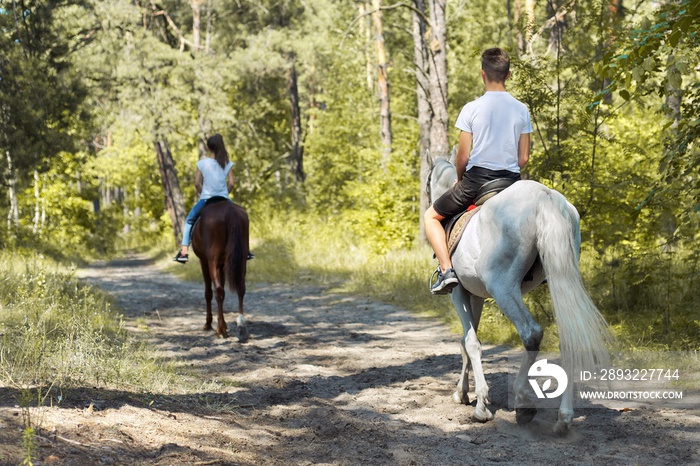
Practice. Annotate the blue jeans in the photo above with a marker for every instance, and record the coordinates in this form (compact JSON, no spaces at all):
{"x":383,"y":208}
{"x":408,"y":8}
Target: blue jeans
{"x":191,"y":220}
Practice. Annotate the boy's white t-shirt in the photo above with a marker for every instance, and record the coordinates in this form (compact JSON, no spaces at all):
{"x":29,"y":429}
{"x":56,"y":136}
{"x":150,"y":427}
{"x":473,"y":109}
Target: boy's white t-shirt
{"x":214,"y":178}
{"x":496,"y":120}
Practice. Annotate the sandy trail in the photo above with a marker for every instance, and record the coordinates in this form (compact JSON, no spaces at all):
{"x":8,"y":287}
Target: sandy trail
{"x":326,"y":378}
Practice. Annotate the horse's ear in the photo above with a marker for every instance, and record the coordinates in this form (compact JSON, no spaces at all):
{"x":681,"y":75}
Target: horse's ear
{"x":453,"y":155}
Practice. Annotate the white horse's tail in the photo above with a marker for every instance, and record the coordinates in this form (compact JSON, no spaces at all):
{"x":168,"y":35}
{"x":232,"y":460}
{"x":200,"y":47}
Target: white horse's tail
{"x":583,"y":332}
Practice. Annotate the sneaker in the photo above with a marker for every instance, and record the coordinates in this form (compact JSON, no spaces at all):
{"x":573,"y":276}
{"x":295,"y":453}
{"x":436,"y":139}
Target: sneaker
{"x":180,"y":258}
{"x":251,"y":256}
{"x":445,"y":281}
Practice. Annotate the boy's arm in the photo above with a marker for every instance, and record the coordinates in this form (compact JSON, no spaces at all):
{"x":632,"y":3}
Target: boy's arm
{"x":198,"y":181}
{"x":463,"y":150}
{"x":523,"y":149}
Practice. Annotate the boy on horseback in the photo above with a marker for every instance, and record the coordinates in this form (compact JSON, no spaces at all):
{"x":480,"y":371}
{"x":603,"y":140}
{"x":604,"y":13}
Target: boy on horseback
{"x":214,"y":178}
{"x":494,"y":143}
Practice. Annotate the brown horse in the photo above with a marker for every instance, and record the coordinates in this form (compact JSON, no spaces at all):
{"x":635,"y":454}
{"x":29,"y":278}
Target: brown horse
{"x":220,"y":240}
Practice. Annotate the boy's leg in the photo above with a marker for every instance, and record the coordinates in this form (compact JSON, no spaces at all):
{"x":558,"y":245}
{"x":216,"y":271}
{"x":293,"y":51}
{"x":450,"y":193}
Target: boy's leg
{"x":447,"y":205}
{"x":436,"y":237}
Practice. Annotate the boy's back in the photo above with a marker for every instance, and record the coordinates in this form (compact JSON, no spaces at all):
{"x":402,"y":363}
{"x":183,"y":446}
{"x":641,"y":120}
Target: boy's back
{"x":496,"y":120}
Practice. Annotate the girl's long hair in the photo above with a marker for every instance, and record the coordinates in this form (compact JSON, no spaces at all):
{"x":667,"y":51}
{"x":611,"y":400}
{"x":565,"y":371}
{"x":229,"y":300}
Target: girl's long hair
{"x":216,"y":145}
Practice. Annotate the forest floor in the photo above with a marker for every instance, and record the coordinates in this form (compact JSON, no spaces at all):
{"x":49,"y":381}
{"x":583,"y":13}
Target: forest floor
{"x":325,"y":378}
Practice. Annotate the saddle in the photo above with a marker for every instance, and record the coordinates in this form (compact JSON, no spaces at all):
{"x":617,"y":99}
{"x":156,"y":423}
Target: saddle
{"x":455,"y":226}
{"x":215,"y":199}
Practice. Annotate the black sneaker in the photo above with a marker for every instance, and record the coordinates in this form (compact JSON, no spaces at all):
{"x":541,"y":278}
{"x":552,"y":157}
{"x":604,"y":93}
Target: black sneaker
{"x":445,"y":281}
{"x":251,"y":256}
{"x":180,"y":258}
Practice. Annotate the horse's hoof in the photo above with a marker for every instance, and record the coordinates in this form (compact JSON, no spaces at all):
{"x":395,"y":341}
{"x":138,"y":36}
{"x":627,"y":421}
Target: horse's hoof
{"x":207,"y":327}
{"x":482,"y":415}
{"x":460,"y":400}
{"x":243,"y":334}
{"x":222,"y":334}
{"x":524,"y":415}
{"x":561,"y":428}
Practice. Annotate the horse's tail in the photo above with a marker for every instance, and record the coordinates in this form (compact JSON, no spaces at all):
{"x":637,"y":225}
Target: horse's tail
{"x":583,"y":332}
{"x":236,"y":247}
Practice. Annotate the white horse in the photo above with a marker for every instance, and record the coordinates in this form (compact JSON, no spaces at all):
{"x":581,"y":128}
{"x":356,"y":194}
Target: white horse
{"x":527,"y":227}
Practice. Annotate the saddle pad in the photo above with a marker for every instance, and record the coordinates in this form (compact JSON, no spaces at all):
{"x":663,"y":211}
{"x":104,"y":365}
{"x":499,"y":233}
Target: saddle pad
{"x":456,"y":229}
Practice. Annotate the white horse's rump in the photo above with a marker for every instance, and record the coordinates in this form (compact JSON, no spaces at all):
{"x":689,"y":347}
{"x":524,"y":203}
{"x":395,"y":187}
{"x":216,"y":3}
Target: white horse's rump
{"x":526,"y":228}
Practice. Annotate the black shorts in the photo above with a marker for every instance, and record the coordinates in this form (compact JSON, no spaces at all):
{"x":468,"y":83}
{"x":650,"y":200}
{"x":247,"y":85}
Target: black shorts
{"x":461,"y":195}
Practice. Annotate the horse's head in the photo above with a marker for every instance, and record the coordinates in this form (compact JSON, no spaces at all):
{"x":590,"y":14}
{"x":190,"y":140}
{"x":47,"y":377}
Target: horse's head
{"x":441,"y":176}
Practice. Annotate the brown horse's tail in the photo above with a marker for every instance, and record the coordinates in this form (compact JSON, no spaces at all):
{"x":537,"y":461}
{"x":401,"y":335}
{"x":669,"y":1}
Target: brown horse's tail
{"x":236,"y":247}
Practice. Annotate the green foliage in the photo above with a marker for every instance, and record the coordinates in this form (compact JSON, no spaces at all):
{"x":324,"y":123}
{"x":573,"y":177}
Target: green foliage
{"x":649,"y":298}
{"x":659,"y":57}
{"x":41,"y":95}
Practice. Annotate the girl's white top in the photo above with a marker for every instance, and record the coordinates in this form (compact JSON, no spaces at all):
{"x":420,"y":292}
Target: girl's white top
{"x":214,"y":178}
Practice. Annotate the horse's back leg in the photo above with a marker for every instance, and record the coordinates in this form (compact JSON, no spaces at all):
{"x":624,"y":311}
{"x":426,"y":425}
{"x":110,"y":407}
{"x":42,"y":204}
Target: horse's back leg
{"x":469,"y":309}
{"x":502,"y":280}
{"x":216,"y":271}
{"x":241,"y":325}
{"x":208,"y":294}
{"x":566,"y":408}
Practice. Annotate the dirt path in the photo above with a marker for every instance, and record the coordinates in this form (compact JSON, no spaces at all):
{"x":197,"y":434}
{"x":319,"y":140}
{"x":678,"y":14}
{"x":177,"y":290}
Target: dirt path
{"x":325,"y":379}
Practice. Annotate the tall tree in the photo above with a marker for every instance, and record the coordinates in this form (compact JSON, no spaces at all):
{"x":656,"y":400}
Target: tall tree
{"x":174,"y":201}
{"x":382,"y":83}
{"x":437,"y":40}
{"x":296,"y":157}
{"x":421,"y":59}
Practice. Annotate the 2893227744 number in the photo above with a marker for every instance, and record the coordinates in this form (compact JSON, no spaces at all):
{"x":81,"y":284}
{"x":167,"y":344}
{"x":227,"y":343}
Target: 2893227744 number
{"x":638,"y":374}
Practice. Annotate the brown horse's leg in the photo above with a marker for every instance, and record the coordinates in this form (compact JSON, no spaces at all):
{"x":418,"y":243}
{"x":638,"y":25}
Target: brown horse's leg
{"x":242,"y":328}
{"x":208,"y":294}
{"x":217,"y":276}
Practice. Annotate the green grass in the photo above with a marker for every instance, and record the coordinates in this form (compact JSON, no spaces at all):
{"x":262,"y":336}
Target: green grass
{"x":57,"y":331}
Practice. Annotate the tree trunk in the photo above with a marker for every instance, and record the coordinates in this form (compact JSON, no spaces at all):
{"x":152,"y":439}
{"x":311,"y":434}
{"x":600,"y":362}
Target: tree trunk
{"x":519,"y":35}
{"x":558,"y":27}
{"x":673,"y":102}
{"x":382,"y":85}
{"x":204,"y":130}
{"x":439,"y":140}
{"x":202,"y":120}
{"x":196,"y":24}
{"x":529,"y":24}
{"x":296,"y":159}
{"x":366,"y":34}
{"x":13,"y":214}
{"x":37,"y":203}
{"x":525,"y":21}
{"x":207,"y":41}
{"x":420,"y":53}
{"x":171,"y":187}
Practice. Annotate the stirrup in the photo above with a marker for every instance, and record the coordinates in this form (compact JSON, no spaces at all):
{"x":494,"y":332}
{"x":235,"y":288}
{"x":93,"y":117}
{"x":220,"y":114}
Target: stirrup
{"x":180,"y":258}
{"x":447,"y":286}
{"x":432,"y":282}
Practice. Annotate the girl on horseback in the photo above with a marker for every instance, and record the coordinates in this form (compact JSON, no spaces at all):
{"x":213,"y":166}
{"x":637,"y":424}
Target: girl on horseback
{"x":214,"y":178}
